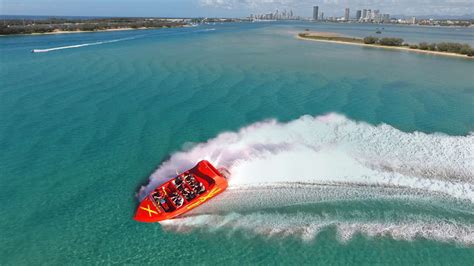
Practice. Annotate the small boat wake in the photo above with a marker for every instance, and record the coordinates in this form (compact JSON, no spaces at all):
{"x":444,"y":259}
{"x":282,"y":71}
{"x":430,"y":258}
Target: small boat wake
{"x":80,"y":45}
{"x":330,"y":158}
{"x":46,"y":50}
{"x":308,"y":225}
{"x":206,"y":30}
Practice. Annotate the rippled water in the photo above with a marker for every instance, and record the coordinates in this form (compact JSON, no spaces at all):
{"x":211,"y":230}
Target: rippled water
{"x":339,"y":154}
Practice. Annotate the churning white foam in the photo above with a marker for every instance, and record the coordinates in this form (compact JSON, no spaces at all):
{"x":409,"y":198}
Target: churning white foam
{"x":205,"y":30}
{"x":80,"y":45}
{"x":333,"y":149}
{"x":328,"y":159}
{"x":307,"y":226}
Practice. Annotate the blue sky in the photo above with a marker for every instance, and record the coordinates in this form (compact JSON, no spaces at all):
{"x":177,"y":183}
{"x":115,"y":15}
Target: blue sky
{"x":227,"y":8}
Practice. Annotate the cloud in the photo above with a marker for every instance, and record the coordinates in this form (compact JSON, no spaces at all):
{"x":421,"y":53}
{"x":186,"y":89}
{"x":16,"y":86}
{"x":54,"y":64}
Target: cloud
{"x":408,"y":7}
{"x":249,"y":4}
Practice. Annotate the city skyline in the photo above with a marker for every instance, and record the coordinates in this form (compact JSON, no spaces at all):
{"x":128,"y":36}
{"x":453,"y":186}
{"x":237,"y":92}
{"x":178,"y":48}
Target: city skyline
{"x":230,"y":8}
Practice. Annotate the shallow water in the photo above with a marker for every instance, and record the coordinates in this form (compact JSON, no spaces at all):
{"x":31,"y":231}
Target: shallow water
{"x":371,"y":160}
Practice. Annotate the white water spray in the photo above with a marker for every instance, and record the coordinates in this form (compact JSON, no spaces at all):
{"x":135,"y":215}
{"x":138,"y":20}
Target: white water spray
{"x":332,"y":149}
{"x":307,"y":227}
{"x":327,"y":159}
{"x":79,"y":45}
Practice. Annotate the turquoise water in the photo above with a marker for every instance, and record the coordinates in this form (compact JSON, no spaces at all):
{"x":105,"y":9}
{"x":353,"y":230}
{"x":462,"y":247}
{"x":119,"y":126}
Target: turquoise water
{"x":339,"y":154}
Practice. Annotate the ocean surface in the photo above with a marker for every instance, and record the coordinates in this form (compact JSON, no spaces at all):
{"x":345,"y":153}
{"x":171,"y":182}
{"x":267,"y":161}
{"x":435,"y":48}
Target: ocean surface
{"x":339,"y":154}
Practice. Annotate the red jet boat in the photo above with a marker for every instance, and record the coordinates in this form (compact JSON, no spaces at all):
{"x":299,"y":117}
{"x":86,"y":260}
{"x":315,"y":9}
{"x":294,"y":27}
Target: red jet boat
{"x":182,"y":193}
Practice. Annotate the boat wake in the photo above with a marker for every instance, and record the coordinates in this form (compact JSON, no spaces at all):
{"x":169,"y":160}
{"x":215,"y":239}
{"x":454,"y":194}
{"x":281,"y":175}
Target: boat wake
{"x":80,"y":45}
{"x":327,"y":159}
{"x":307,"y":226}
{"x":305,"y":209}
{"x":333,"y":149}
{"x":206,"y":30}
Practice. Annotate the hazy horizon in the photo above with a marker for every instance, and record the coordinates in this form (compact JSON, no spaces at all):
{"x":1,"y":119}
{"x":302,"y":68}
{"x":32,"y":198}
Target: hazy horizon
{"x":229,"y":8}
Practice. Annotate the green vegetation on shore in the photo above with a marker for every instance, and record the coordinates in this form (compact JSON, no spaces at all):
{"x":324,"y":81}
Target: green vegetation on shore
{"x":30,"y":26}
{"x":446,"y":47}
{"x":443,"y":47}
{"x":384,"y":41}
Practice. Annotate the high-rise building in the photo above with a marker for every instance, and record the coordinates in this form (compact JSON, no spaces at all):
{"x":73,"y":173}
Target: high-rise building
{"x":364,"y":13}
{"x":376,"y":15}
{"x":322,"y":16}
{"x":346,"y":14}
{"x":358,"y":14}
{"x":315,"y":12}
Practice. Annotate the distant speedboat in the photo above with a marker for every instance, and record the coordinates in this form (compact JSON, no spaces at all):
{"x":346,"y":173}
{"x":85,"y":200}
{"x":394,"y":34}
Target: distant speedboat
{"x":183,"y":193}
{"x":39,"y":50}
{"x":378,"y":32}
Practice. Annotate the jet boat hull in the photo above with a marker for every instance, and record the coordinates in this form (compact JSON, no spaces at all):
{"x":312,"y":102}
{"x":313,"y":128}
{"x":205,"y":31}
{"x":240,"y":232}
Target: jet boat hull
{"x":183,"y":193}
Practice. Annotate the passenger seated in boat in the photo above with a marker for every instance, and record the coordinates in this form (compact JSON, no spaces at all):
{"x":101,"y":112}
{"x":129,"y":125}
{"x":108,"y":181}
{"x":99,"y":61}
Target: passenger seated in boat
{"x":179,"y":184}
{"x":159,"y":199}
{"x":177,"y":200}
{"x":178,"y":181}
{"x":156,"y":196}
{"x":188,"y":194}
{"x":190,"y":179}
{"x":197,"y":187}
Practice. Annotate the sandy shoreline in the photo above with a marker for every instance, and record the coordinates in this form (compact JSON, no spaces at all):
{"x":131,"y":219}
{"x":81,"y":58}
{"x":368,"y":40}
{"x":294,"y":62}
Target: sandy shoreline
{"x":83,"y":31}
{"x":402,"y":48}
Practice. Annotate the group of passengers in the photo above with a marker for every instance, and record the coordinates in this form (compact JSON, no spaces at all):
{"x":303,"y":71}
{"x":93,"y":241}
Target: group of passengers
{"x":177,"y":199}
{"x":186,"y":192}
{"x":197,"y":188}
{"x":159,"y":198}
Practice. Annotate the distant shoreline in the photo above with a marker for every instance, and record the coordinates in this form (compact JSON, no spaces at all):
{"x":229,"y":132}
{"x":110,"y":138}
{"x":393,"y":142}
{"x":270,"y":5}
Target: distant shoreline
{"x":67,"y":25}
{"x":87,"y":31}
{"x":81,"y":31}
{"x":313,"y":36}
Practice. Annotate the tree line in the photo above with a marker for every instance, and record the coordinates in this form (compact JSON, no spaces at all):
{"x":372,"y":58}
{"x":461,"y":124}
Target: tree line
{"x":28,"y":26}
{"x":449,"y":47}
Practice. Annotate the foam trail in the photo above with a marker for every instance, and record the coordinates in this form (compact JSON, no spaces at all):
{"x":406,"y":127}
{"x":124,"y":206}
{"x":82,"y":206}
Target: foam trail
{"x":332,"y":149}
{"x":79,"y":45}
{"x":206,"y":30}
{"x":245,"y":199}
{"x":307,"y":226}
{"x":303,"y":210}
{"x":282,"y":172}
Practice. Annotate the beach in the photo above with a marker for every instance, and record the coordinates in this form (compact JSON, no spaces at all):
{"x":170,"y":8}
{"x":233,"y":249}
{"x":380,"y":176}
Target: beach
{"x":84,"y":31}
{"x":400,"y":48}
